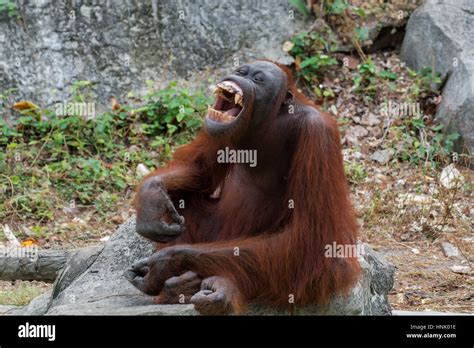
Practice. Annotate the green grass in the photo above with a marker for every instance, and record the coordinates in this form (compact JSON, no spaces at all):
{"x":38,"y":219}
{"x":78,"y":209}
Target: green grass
{"x":20,"y":296}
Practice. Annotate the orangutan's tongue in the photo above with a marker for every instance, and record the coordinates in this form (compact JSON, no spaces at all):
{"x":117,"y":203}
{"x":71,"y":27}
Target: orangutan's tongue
{"x":233,"y":112}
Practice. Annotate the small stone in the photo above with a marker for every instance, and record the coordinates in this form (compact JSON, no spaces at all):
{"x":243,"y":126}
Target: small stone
{"x":382,"y":156}
{"x":356,"y":132}
{"x":370,"y":120}
{"x":142,"y":170}
{"x":376,"y":132}
{"x":116,"y":219}
{"x":450,"y":250}
{"x":373,"y":120}
{"x":460,"y":269}
{"x":133,"y":148}
{"x":288,"y":46}
{"x":469,"y":239}
{"x":400,"y":298}
{"x":400,"y":183}
{"x":411,"y":198}
{"x":450,"y":177}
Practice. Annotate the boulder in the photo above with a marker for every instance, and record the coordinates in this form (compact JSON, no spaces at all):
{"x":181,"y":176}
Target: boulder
{"x":119,"y":45}
{"x":93,"y":284}
{"x":439,"y":34}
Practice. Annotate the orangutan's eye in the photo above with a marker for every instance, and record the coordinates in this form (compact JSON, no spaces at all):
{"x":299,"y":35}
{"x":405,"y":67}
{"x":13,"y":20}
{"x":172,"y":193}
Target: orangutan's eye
{"x":258,"y":78}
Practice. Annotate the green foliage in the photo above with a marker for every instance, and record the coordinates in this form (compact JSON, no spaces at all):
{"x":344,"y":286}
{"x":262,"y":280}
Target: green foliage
{"x":424,"y":144}
{"x":310,"y":67}
{"x":300,"y":5}
{"x":172,"y":110}
{"x":310,"y":49}
{"x":81,"y":91}
{"x":366,"y":78}
{"x":355,"y":172}
{"x":10,"y":7}
{"x":51,"y":160}
{"x":428,"y":76}
{"x":362,"y":33}
{"x":425,"y":79}
{"x":387,"y":75}
{"x":336,"y":6}
{"x":307,"y":44}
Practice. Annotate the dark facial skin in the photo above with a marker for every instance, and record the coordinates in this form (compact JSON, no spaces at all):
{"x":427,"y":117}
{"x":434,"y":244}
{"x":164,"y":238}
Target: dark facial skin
{"x":263,"y":85}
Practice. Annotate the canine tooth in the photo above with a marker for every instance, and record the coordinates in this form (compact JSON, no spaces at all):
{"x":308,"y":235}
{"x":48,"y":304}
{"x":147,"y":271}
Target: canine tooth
{"x":238,"y":99}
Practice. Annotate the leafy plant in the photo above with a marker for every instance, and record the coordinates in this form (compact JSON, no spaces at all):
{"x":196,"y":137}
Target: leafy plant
{"x":387,"y":75}
{"x":81,"y":91}
{"x":10,"y":7}
{"x":336,"y":6}
{"x":300,"y":5}
{"x":310,"y":67}
{"x":310,"y":50}
{"x":355,"y":172}
{"x":48,"y":161}
{"x":307,"y":44}
{"x":424,"y":80}
{"x":365,"y":79}
{"x":425,"y":144}
{"x":362,"y":33}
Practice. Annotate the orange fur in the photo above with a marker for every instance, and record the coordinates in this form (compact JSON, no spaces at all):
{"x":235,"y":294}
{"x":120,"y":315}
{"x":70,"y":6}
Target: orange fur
{"x":280,"y":250}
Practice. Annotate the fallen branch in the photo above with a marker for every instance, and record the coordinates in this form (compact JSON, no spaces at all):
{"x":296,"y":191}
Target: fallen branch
{"x":41,"y":265}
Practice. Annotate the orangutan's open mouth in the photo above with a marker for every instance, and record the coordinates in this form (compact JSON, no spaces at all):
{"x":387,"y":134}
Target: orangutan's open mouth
{"x":229,"y":102}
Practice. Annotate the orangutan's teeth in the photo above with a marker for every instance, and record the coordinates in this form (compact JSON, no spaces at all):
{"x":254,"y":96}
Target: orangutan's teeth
{"x":230,"y":87}
{"x":227,"y":87}
{"x":238,"y":99}
{"x":219,"y":116}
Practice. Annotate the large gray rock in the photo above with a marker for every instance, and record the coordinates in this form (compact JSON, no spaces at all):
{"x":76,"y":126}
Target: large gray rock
{"x":92,"y":283}
{"x":441,"y":32}
{"x":119,"y":45}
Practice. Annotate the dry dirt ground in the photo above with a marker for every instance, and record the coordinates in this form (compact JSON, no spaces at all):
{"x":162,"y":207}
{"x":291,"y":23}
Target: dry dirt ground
{"x":426,"y":277}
